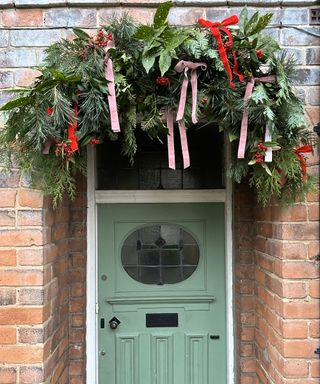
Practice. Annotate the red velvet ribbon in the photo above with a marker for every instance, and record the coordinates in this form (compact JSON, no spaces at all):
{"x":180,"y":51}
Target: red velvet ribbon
{"x":303,"y":163}
{"x":216,"y":29}
{"x":72,"y":127}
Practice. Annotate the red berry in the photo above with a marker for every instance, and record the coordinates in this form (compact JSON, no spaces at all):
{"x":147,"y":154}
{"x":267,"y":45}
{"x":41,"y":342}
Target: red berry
{"x":260,"y":53}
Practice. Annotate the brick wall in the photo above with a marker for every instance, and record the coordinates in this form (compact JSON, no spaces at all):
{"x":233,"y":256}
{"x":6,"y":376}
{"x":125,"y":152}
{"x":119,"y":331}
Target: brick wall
{"x":43,"y":253}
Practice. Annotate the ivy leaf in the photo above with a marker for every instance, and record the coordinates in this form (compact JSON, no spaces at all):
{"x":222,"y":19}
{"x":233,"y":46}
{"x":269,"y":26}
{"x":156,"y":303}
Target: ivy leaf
{"x":148,"y":62}
{"x":81,"y":34}
{"x":161,"y":14}
{"x":15,"y":103}
{"x":145,"y":32}
{"x":164,"y":62}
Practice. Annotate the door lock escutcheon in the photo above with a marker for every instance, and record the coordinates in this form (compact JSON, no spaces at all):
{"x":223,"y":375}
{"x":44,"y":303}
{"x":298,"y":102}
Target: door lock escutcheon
{"x":114,"y":322}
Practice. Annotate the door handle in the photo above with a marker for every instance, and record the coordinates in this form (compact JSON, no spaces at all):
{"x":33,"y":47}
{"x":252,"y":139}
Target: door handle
{"x":114,"y":322}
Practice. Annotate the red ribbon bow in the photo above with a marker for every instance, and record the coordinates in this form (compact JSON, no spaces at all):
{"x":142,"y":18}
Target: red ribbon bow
{"x":303,"y":163}
{"x":216,"y":29}
{"x":72,"y":127}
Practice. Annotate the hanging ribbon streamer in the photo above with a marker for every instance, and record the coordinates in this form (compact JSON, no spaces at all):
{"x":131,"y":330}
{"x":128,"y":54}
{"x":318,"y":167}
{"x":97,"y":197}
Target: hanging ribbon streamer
{"x":114,"y":118}
{"x":216,"y":29}
{"x":244,"y":122}
{"x":268,"y":137}
{"x":72,"y":127}
{"x":183,"y":140}
{"x":303,"y":163}
{"x":185,"y":66}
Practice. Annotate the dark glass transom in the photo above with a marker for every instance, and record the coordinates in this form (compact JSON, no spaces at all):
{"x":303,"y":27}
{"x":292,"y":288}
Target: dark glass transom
{"x":160,"y":254}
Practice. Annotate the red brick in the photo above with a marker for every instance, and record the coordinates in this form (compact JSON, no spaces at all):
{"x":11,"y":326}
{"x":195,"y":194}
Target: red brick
{"x":8,"y":375}
{"x":7,"y":296}
{"x":313,"y":113}
{"x":77,"y":380}
{"x":20,"y":355}
{"x":31,"y":335}
{"x":313,"y":250}
{"x":8,"y":336}
{"x":27,"y":237}
{"x":8,"y":198}
{"x":294,"y":251}
{"x":315,"y":328}
{"x":294,"y":290}
{"x":299,"y":348}
{"x":305,"y":231}
{"x":21,"y":277}
{"x":294,"y":329}
{"x":22,"y":18}
{"x":298,"y":270}
{"x":30,"y":198}
{"x":7,"y":257}
{"x":23,"y":315}
{"x":315,"y":368}
{"x":295,"y":368}
{"x":30,"y":256}
{"x":314,"y":288}
{"x":75,"y":367}
{"x":29,"y":218}
{"x":7,"y":218}
{"x":31,"y":375}
{"x":31,"y":296}
{"x":313,"y":212}
{"x":292,"y":213}
{"x":25,"y":77}
{"x":301,"y":310}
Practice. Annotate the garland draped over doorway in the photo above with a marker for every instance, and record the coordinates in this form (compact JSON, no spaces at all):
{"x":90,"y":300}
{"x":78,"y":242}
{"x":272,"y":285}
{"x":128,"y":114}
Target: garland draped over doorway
{"x":130,"y":77}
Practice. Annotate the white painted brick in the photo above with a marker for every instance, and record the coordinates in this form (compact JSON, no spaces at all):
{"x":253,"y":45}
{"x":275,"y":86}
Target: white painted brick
{"x":4,"y":38}
{"x":294,"y":16}
{"x":292,"y":37}
{"x":6,"y":79}
{"x":39,"y":3}
{"x":71,"y":17}
{"x":16,"y":58}
{"x":34,"y":37}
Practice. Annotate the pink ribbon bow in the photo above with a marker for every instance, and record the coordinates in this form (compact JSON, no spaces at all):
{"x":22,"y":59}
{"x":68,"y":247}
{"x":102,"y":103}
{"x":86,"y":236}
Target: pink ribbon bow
{"x":183,"y":140}
{"x":244,"y":123}
{"x":185,"y":66}
{"x":115,"y":126}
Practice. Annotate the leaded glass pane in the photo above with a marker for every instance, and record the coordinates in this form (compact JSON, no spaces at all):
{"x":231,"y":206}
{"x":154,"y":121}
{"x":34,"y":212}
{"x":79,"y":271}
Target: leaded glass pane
{"x":160,"y":254}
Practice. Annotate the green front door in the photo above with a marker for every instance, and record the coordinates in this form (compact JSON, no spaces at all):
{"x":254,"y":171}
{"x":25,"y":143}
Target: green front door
{"x":161,"y":282}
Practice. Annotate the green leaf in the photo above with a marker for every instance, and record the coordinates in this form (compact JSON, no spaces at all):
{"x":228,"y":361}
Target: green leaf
{"x":243,"y":18}
{"x":232,"y":137}
{"x":15,"y":104}
{"x":161,"y":14}
{"x":164,"y":62}
{"x":148,"y":62}
{"x":81,"y":34}
{"x":267,"y":169}
{"x":145,"y":32}
{"x":251,"y":24}
{"x":261,"y":24}
{"x":175,"y":40}
{"x":252,"y":162}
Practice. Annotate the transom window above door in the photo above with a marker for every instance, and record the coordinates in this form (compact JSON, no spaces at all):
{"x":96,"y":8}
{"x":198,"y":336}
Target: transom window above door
{"x":150,"y":170}
{"x":160,"y":254}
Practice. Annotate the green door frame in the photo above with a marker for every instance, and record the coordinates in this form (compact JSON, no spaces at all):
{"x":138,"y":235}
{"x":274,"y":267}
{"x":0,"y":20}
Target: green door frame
{"x":110,"y":197}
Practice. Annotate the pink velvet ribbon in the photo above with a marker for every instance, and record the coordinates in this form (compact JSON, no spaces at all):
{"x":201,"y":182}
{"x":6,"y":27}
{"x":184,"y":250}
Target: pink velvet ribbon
{"x":183,"y":140}
{"x":185,"y":66}
{"x":244,"y":123}
{"x":114,"y":118}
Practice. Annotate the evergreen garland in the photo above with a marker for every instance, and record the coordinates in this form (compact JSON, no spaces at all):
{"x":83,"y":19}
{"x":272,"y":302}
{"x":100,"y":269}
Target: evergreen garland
{"x":72,"y":91}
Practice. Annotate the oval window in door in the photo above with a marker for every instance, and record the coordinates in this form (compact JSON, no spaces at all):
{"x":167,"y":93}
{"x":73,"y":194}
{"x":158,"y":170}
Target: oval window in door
{"x":160,"y":254}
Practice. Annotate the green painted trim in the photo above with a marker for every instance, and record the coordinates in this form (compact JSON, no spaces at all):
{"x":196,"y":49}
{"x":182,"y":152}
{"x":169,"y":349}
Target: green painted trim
{"x":160,"y":300}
